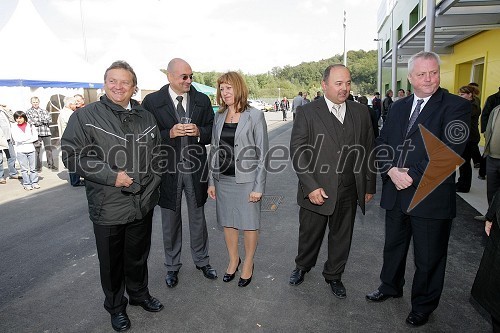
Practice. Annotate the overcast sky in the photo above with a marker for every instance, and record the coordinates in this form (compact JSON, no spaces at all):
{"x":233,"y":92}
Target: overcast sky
{"x":249,"y":35}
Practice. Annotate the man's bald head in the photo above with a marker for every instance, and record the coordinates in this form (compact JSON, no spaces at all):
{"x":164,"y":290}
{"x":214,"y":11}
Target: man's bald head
{"x":180,"y":75}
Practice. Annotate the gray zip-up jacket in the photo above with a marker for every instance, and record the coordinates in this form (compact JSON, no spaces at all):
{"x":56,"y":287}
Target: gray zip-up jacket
{"x":103,"y":138}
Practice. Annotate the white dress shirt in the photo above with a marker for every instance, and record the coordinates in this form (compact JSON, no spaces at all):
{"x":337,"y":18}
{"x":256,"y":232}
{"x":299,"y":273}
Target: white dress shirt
{"x":340,"y":109}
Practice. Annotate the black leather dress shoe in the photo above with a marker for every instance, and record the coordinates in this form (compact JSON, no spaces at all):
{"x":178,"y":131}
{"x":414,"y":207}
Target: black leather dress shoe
{"x":417,"y":318}
{"x":297,"y":277}
{"x":245,"y":282}
{"x":208,"y":272}
{"x":377,"y":296}
{"x":172,"y":278}
{"x":229,"y":277}
{"x":338,"y":288}
{"x":120,"y":321}
{"x":150,"y":304}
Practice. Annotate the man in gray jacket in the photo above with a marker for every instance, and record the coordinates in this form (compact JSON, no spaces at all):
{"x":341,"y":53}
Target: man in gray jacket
{"x":111,"y":143}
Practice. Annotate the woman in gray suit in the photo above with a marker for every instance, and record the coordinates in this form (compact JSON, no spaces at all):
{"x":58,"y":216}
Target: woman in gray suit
{"x":237,"y":177}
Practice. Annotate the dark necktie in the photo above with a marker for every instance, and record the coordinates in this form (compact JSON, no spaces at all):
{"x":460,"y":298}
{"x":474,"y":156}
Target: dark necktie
{"x":414,"y":115}
{"x":180,"y":108}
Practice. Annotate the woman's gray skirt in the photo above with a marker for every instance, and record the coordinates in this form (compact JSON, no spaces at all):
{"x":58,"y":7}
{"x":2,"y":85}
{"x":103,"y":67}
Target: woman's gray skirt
{"x":232,"y":205}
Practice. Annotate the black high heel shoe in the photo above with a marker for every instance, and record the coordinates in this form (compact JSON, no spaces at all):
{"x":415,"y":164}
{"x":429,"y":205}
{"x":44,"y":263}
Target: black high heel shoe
{"x":245,"y":282}
{"x":229,"y":277}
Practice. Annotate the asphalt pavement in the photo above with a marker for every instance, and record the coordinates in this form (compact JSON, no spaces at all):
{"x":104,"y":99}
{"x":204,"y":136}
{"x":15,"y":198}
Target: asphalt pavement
{"x":49,"y":271}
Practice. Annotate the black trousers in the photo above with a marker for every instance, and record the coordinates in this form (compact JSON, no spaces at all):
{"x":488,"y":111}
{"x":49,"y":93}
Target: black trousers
{"x":430,"y":247}
{"x":482,"y":167}
{"x":465,"y":171}
{"x":492,"y":177}
{"x":123,"y":252}
{"x":312,"y":228}
{"x":476,"y":154}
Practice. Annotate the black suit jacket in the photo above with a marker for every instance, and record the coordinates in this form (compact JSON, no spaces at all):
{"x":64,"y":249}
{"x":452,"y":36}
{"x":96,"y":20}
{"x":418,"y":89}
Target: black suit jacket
{"x":442,"y":113}
{"x":160,"y":104}
{"x":315,"y":153}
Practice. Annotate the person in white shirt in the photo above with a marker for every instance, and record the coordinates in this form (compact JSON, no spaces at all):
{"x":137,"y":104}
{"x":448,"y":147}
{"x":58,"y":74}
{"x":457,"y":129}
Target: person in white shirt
{"x":24,"y":134}
{"x":296,"y":102}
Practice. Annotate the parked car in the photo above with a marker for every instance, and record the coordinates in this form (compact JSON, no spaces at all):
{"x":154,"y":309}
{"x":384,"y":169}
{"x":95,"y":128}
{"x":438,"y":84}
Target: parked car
{"x":256,"y":104}
{"x":268,"y":107}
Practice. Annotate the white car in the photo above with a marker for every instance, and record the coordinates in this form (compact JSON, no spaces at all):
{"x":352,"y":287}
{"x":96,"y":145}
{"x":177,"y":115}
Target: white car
{"x":256,"y":104}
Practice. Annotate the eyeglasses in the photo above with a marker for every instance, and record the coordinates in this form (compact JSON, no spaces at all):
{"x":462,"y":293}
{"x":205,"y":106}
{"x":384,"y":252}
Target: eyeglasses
{"x":184,"y":77}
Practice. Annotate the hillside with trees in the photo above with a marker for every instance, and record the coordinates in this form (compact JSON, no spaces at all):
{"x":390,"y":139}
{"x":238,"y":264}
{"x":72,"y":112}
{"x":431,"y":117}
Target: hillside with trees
{"x":288,"y":80}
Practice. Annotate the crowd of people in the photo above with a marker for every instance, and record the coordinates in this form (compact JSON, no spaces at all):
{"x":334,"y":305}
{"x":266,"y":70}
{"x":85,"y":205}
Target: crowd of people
{"x":134,"y":156}
{"x":300,"y":99}
{"x":428,"y":223}
{"x":24,"y":134}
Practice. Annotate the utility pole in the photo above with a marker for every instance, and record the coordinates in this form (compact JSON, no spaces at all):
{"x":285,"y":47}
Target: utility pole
{"x":394,"y":54}
{"x":83,"y":33}
{"x":345,"y":53}
{"x":379,"y":58}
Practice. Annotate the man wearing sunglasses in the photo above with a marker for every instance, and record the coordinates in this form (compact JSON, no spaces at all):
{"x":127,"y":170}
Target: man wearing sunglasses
{"x":185,"y":119}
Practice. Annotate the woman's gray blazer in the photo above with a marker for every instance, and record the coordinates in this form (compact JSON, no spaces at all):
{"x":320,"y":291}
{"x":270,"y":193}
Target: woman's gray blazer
{"x":250,"y":149}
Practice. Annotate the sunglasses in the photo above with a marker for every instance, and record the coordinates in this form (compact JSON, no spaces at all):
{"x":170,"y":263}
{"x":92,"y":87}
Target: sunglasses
{"x":184,"y":77}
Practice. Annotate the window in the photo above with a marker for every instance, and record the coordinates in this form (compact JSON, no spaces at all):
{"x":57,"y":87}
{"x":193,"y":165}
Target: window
{"x":413,"y":17}
{"x":477,"y":71}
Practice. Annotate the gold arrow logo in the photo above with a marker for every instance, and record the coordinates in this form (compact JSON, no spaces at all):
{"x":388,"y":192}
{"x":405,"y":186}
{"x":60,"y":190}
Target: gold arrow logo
{"x":443,"y":162}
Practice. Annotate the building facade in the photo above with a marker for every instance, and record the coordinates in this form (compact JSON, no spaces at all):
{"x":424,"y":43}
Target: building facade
{"x":464,"y":33}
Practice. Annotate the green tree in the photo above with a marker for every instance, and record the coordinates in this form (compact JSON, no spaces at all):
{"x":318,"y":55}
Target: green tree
{"x":288,"y":80}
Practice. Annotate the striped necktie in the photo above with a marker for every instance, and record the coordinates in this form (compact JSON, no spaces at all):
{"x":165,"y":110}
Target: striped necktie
{"x":337,"y":113}
{"x":414,"y":115}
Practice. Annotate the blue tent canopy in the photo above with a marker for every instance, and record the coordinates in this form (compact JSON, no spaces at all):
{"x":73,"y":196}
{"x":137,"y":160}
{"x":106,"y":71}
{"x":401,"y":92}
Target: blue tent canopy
{"x":49,"y":84}
{"x":207,"y":90}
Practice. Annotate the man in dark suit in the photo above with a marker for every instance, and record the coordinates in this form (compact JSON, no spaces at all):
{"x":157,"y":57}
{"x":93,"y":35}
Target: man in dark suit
{"x":185,"y":117}
{"x":386,"y":104}
{"x":331,"y":144}
{"x":429,"y":222}
{"x":377,"y":104}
